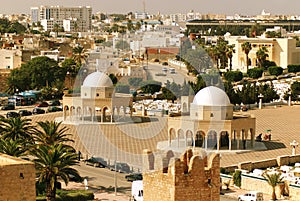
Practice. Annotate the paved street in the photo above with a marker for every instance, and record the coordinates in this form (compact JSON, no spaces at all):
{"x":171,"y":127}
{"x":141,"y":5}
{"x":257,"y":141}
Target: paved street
{"x":178,"y":77}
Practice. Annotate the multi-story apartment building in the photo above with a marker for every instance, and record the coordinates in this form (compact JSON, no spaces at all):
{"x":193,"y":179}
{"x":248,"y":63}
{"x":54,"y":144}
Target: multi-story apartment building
{"x":70,"y":18}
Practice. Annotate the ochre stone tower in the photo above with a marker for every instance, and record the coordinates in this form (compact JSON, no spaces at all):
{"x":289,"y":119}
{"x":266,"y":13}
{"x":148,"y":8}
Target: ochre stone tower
{"x":193,"y":177}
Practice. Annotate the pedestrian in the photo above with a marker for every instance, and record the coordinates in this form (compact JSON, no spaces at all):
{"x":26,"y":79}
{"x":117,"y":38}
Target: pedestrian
{"x":79,"y":155}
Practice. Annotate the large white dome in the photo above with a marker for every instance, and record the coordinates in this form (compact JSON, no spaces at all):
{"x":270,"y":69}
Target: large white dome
{"x":97,"y":79}
{"x":211,"y":96}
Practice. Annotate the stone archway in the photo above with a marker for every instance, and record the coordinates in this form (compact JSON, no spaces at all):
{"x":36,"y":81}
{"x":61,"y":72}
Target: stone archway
{"x":105,"y":117}
{"x":79,"y":113}
{"x":172,"y":135}
{"x":224,"y":140}
{"x":212,"y":140}
{"x":189,"y":138}
{"x":200,"y":139}
{"x":180,"y":138}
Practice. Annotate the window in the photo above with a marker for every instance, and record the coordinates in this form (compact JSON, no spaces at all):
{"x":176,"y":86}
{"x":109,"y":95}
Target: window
{"x":7,"y":57}
{"x":211,"y":114}
{"x":97,"y":94}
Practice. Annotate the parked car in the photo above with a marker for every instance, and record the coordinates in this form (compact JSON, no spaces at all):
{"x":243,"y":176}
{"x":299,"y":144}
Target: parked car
{"x":54,"y":103}
{"x":251,"y":196}
{"x":54,"y":109}
{"x":42,"y":104}
{"x":8,"y":107}
{"x":12,"y":115}
{"x":96,"y":162}
{"x":120,"y":167}
{"x":134,"y":176}
{"x":25,"y":113}
{"x":38,"y":110}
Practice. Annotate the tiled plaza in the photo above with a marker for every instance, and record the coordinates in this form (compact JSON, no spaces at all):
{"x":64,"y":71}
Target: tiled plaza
{"x":283,"y":121}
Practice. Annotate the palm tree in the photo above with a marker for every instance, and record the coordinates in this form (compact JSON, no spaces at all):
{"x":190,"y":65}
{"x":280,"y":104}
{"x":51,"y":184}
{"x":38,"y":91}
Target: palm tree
{"x":50,"y":133}
{"x":79,"y":55}
{"x":54,"y":162}
{"x":56,"y":28}
{"x":16,"y":128}
{"x":13,"y":147}
{"x":229,"y":53}
{"x":246,"y":47}
{"x":273,"y":180}
{"x":262,"y":55}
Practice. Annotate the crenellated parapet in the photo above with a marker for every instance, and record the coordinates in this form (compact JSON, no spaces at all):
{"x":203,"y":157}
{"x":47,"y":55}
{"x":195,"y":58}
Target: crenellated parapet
{"x":193,"y":175}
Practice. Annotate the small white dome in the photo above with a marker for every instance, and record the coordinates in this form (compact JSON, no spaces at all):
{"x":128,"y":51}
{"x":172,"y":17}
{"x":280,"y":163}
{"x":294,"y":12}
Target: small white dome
{"x":211,"y":96}
{"x":97,"y":79}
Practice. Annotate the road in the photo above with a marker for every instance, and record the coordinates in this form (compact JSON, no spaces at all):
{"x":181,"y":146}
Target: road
{"x":103,"y":178}
{"x":178,"y":77}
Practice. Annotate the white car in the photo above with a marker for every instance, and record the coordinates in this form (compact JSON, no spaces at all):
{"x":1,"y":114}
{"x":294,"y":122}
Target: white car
{"x":251,"y":196}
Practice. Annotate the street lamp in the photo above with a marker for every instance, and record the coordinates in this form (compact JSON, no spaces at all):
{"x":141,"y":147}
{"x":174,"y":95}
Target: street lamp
{"x":260,"y":96}
{"x":294,"y":144}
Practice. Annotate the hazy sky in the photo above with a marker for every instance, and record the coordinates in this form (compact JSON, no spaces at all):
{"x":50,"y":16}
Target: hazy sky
{"x":230,"y":7}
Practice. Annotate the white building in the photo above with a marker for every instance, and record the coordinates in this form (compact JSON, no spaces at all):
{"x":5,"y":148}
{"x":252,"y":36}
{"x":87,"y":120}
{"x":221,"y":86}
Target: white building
{"x":10,"y":59}
{"x":81,"y":17}
{"x":282,"y":51}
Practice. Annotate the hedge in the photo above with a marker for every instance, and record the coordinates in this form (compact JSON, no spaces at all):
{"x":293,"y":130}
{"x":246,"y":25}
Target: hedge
{"x":293,"y":68}
{"x":275,"y":70}
{"x":233,"y":76}
{"x":255,"y":72}
{"x":73,"y":195}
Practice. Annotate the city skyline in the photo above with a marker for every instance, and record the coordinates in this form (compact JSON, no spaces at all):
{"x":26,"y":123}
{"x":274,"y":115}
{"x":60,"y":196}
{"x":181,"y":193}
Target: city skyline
{"x":229,"y":7}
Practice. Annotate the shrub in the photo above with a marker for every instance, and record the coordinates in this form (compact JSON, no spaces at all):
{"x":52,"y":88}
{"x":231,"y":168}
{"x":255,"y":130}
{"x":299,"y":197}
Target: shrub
{"x":255,"y":72}
{"x":233,"y":76}
{"x":237,"y":178}
{"x":275,"y":70}
{"x":293,"y":68}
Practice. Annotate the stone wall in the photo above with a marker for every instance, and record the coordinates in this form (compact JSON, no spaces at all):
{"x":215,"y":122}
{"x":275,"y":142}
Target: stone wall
{"x":196,"y":177}
{"x":255,"y":183}
{"x":17,"y":179}
{"x":279,"y":161}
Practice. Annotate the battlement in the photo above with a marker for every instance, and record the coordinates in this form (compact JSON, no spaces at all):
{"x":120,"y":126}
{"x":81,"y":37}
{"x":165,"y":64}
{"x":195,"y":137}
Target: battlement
{"x":196,"y":175}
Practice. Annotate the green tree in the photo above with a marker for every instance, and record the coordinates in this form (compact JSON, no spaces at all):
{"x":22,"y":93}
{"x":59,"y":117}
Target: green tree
{"x":122,"y":88}
{"x":135,"y":81}
{"x":54,"y":162}
{"x":295,"y":90}
{"x":262,"y":55}
{"x":229,"y":54}
{"x":232,"y":94}
{"x":51,"y":133}
{"x":36,"y":74}
{"x":150,"y":86}
{"x":16,"y":129}
{"x":273,"y":180}
{"x":79,"y":55}
{"x":113,"y":78}
{"x":56,"y":28}
{"x":246,"y":47}
{"x":12,"y":147}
